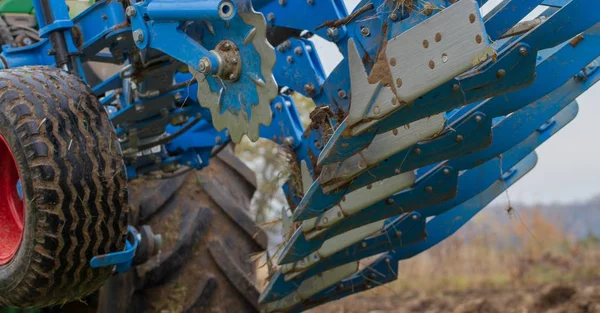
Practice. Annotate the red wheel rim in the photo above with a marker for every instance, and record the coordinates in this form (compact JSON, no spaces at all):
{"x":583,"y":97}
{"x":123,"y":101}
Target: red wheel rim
{"x":11,"y":205}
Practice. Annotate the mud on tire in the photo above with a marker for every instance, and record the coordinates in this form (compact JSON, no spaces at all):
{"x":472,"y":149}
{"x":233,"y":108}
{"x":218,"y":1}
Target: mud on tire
{"x":73,"y":182}
{"x":204,"y":265}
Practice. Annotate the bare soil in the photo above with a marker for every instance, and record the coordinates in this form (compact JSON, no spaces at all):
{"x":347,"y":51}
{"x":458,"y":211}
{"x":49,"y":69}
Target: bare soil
{"x":555,"y":298}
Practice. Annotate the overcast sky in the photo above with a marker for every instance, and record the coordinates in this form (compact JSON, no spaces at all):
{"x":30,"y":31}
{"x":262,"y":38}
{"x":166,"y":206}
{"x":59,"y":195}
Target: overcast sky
{"x":567,"y":169}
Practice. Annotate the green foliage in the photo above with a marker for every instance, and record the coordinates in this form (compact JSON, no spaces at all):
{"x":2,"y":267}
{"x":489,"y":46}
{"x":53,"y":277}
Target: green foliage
{"x":16,"y":6}
{"x":26,"y":6}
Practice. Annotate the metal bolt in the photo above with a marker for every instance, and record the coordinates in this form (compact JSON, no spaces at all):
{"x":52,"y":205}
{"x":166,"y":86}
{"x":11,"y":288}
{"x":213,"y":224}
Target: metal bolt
{"x":290,"y":59}
{"x":218,"y":140}
{"x":459,"y":138}
{"x":365,"y":31}
{"x":270,"y":17}
{"x":417,"y":151}
{"x":429,"y":189}
{"x":138,"y":35}
{"x":298,"y":51}
{"x":158,"y":242}
{"x":428,"y":8}
{"x":325,"y":220}
{"x":415,"y":217}
{"x":310,"y":90}
{"x":332,"y":32}
{"x":226,"y":46}
{"x":389,"y":201}
{"x":363,"y":244}
{"x":231,"y":76}
{"x":278,"y":106}
{"x":318,"y":144}
{"x":178,"y":120}
{"x":131,"y":11}
{"x":478,"y":118}
{"x":342,"y":94}
{"x":290,"y":142}
{"x":139,"y":108}
{"x":523,"y":51}
{"x":282,"y":2}
{"x":501,"y":73}
{"x":205,"y":66}
{"x":226,"y":10}
{"x":446,"y":171}
{"x":455,"y":87}
{"x":310,"y":1}
{"x":394,"y":17}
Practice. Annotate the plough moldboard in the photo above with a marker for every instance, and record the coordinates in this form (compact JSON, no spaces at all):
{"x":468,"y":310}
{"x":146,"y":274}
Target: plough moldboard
{"x":434,"y":111}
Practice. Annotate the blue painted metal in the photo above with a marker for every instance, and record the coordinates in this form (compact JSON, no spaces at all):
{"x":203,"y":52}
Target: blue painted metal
{"x":519,"y":72}
{"x":475,"y":181}
{"x":295,"y":60}
{"x":507,"y":115}
{"x":304,"y":14}
{"x":442,"y":180}
{"x":20,"y":189}
{"x":188,"y":10}
{"x":447,"y":222}
{"x":507,"y":131}
{"x":471,"y":181}
{"x":104,"y":25}
{"x":507,"y":14}
{"x":186,"y":49}
{"x":535,"y":40}
{"x":385,"y":268}
{"x":121,"y":259}
{"x":472,"y":134}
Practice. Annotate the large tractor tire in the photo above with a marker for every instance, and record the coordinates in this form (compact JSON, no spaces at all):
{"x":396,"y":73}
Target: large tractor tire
{"x":63,"y":192}
{"x":208,"y":240}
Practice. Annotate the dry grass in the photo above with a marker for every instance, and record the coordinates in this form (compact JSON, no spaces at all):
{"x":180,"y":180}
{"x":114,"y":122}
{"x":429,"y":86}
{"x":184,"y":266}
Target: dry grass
{"x":526,"y":252}
{"x":485,"y":254}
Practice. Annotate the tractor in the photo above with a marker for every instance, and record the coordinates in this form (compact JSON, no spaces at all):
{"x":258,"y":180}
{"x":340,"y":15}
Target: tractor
{"x":117,"y":117}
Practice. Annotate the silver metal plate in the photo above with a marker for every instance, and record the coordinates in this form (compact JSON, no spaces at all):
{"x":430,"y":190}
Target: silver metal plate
{"x":383,"y":146}
{"x":311,"y":286}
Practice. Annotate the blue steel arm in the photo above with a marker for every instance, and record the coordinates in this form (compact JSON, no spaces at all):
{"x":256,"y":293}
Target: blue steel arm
{"x":447,"y":96}
{"x":579,"y":56}
{"x":385,"y":268}
{"x":447,"y":223}
{"x":470,"y":182}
